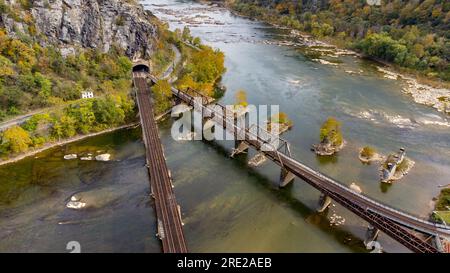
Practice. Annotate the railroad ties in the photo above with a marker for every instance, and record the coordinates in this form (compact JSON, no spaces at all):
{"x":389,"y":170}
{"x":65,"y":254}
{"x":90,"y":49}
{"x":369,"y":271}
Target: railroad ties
{"x":169,"y":224}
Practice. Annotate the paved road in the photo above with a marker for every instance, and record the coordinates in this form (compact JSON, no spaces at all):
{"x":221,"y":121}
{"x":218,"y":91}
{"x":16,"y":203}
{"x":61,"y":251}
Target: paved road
{"x":19,"y":119}
{"x":172,"y":66}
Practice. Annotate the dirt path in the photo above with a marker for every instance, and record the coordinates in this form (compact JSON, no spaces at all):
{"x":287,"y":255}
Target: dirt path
{"x":175,"y":62}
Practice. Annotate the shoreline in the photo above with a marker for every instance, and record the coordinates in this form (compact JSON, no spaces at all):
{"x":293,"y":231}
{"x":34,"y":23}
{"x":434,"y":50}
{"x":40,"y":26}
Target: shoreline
{"x":431,"y":92}
{"x":50,"y":145}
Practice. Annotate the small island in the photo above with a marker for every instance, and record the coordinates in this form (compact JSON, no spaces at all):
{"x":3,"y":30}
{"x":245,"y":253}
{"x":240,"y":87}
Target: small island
{"x":331,"y":139}
{"x":240,"y":106}
{"x":395,"y":167}
{"x":279,"y":123}
{"x":368,"y":154}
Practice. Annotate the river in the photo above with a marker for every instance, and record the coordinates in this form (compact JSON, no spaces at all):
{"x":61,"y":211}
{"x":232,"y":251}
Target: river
{"x":226,"y":205}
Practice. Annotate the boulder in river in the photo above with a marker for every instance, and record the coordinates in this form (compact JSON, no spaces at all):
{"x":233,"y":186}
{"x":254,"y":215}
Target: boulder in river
{"x":70,"y":156}
{"x":96,"y":198}
{"x":103,"y":157}
{"x":355,"y":188}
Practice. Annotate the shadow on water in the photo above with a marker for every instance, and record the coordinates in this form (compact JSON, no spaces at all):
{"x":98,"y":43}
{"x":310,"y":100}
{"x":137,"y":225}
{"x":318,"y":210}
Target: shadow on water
{"x":384,"y":187}
{"x":324,"y":160}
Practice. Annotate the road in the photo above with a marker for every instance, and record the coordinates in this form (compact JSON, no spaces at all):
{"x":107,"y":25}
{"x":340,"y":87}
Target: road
{"x":172,"y":66}
{"x":19,"y":119}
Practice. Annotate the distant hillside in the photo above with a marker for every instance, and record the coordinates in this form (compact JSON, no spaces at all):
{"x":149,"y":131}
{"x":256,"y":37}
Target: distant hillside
{"x":50,"y":51}
{"x":410,"y":33}
{"x":53,"y":50}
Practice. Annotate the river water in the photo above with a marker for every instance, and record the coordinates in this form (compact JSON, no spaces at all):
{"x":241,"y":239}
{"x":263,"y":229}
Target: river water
{"x":226,"y":205}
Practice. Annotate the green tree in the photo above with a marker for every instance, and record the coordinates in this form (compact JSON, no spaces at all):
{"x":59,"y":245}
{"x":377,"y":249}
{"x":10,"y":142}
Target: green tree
{"x":330,"y":132}
{"x":162,"y":95}
{"x":6,"y":67}
{"x":107,"y":113}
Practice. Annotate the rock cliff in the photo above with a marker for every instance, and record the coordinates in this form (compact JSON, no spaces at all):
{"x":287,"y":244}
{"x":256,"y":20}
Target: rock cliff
{"x":99,"y":24}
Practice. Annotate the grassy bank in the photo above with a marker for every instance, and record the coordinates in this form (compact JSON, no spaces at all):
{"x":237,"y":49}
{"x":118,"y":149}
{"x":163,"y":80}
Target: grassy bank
{"x":442,"y":207}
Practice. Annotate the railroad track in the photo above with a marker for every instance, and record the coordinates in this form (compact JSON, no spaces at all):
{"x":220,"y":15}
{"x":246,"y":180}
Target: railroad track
{"x":167,"y":211}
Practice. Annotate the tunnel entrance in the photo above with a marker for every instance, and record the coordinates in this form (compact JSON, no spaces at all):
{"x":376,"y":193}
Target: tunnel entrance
{"x":141,"y":68}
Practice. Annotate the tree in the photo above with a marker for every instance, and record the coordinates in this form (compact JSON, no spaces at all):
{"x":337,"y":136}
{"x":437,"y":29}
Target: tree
{"x":206,"y":66}
{"x":6,"y":67}
{"x":162,"y":94}
{"x":186,"y":82}
{"x":368,"y":152}
{"x":68,"y":126}
{"x":281,"y":117}
{"x":43,"y":85}
{"x":197,"y":41}
{"x":107,"y":112}
{"x":241,"y":98}
{"x":16,"y":139}
{"x":33,"y":124}
{"x":330,"y":132}
{"x":84,"y":116}
{"x":186,"y":36}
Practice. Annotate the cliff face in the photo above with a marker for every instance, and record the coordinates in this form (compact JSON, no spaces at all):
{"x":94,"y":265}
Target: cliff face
{"x":90,"y":23}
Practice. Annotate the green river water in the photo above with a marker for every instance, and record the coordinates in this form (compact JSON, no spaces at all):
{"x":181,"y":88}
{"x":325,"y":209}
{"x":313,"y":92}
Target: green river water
{"x":226,"y":205}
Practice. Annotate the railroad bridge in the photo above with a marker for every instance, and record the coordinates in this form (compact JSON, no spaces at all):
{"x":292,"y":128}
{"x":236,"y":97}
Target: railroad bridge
{"x":169,"y":224}
{"x":418,"y":235}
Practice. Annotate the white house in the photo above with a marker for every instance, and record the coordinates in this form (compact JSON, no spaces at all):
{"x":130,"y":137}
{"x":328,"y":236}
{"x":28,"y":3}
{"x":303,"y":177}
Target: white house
{"x":87,"y":94}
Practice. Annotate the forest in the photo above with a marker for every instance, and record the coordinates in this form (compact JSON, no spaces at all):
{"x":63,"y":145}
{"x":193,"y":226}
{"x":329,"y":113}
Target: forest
{"x":413,"y":35}
{"x":41,"y":78}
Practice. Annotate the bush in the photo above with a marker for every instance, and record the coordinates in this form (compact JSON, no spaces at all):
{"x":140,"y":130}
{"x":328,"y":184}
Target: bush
{"x":241,"y":98}
{"x":162,"y":95}
{"x":443,"y":200}
{"x":368,"y":152}
{"x":331,"y":132}
{"x":16,"y":139}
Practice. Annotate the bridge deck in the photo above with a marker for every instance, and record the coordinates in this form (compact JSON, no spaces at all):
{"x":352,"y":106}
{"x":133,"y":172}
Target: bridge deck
{"x":391,"y":221}
{"x":169,"y":221}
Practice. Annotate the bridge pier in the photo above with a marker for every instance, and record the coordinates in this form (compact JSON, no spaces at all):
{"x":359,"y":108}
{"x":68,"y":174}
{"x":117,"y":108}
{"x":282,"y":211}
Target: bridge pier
{"x":324,"y":202}
{"x":286,"y":177}
{"x":240,"y":147}
{"x":393,"y":225}
{"x":371,"y":235}
{"x":180,"y":108}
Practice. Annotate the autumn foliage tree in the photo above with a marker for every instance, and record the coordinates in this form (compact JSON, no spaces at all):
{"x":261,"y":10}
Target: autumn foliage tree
{"x":162,"y":95}
{"x":241,"y":98}
{"x":16,"y":139}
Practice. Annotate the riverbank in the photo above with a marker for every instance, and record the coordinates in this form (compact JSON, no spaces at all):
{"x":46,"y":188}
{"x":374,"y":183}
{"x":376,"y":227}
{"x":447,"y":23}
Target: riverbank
{"x":62,"y":142}
{"x":421,"y":88}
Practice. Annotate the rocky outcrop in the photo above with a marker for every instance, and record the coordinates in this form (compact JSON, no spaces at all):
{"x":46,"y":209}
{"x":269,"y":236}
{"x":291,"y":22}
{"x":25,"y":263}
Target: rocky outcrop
{"x":99,"y":24}
{"x":326,"y":148}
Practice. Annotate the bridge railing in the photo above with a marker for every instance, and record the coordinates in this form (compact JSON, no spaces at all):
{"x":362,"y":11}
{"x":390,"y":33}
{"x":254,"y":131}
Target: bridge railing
{"x":268,"y":140}
{"x":369,"y":199}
